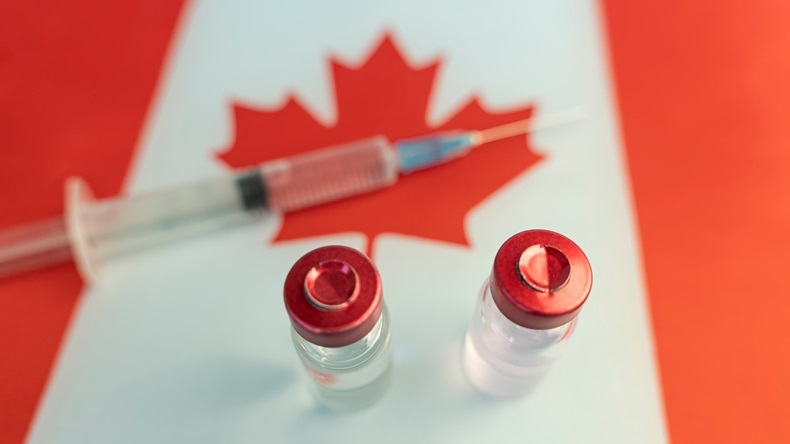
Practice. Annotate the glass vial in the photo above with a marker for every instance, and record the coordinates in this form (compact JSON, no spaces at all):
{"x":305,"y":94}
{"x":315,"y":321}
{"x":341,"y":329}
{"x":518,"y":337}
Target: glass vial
{"x":340,"y":326}
{"x":526,"y":312}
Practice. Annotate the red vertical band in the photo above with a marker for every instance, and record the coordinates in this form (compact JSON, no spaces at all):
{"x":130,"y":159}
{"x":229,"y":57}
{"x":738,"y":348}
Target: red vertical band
{"x":703,"y":93}
{"x":76,"y":79}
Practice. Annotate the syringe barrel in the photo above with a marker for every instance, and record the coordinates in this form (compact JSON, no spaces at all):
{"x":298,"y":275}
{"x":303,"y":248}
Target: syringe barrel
{"x":33,"y":246}
{"x":116,"y":226}
{"x":99,"y":230}
{"x":329,"y":174}
{"x":95,"y":231}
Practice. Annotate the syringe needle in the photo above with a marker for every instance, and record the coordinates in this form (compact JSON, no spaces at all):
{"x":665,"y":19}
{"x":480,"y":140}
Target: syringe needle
{"x":532,"y":124}
{"x":426,"y":151}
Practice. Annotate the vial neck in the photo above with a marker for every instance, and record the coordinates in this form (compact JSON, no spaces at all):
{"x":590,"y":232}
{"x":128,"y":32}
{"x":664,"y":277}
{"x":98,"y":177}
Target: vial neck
{"x":516,"y":335}
{"x":352,"y":354}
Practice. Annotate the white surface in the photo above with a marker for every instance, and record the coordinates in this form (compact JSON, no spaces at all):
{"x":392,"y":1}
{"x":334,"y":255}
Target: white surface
{"x":191,"y":343}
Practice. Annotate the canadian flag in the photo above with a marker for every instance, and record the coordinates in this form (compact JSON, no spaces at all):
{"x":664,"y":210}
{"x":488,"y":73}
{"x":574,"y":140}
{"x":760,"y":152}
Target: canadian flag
{"x":674,"y":185}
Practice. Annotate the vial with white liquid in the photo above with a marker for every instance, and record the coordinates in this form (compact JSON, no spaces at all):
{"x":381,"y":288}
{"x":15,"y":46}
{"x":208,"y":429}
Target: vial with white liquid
{"x":341,"y":327}
{"x":526,"y":312}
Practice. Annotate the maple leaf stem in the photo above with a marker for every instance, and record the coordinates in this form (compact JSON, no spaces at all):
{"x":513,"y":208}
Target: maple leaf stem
{"x":369,"y":247}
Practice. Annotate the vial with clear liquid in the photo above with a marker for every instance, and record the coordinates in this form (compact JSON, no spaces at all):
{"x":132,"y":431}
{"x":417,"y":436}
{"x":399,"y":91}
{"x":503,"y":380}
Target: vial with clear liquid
{"x":340,"y":326}
{"x":526,"y":312}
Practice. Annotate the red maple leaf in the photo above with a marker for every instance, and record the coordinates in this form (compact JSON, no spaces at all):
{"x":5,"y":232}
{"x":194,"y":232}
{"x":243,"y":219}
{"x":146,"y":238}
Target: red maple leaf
{"x":385,"y":96}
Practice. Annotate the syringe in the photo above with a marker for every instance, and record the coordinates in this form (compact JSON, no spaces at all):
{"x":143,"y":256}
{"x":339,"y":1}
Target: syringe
{"x":94,"y":231}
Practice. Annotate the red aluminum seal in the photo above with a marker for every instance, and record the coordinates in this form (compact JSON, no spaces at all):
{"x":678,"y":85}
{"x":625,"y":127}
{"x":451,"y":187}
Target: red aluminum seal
{"x":333,"y":296}
{"x":540,"y":279}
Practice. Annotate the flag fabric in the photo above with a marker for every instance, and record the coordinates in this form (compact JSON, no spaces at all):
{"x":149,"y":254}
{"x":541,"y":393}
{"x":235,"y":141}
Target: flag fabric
{"x":76,"y":81}
{"x":673,"y":185}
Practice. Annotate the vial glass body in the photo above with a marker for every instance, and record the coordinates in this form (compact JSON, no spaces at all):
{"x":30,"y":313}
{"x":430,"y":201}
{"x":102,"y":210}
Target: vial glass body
{"x":504,"y":359}
{"x":353,"y":376}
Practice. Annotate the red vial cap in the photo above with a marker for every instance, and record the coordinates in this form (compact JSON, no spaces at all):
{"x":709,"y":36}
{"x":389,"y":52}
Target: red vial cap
{"x":333,"y":296}
{"x":540,"y":279}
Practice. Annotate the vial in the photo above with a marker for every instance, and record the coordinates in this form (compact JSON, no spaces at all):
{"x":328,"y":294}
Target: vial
{"x":526,"y":312}
{"x":340,"y":326}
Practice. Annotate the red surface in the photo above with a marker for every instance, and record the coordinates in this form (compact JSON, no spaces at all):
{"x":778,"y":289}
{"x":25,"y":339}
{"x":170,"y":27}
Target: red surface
{"x":703,"y":89}
{"x":385,"y":95}
{"x":76,"y":79}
